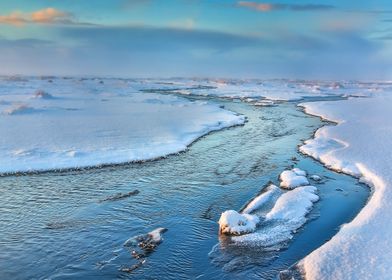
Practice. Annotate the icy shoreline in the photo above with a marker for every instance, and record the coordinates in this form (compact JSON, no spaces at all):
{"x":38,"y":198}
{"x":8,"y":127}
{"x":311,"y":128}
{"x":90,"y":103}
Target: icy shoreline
{"x":78,"y":124}
{"x":359,"y":145}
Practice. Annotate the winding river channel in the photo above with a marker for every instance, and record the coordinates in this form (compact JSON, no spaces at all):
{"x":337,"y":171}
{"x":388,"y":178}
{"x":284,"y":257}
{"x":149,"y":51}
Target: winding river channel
{"x":73,"y":224}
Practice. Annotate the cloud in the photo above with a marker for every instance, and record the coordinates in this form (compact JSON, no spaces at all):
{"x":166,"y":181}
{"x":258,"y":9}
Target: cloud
{"x":268,"y":7}
{"x":49,"y":15}
{"x":15,"y":18}
{"x":44,"y":16}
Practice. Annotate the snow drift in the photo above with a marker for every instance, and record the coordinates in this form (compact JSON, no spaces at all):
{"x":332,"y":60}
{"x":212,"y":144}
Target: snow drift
{"x":360,"y":145}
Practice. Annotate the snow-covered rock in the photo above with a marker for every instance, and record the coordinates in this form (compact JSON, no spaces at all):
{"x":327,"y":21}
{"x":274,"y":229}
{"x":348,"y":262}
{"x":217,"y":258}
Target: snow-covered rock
{"x":281,"y":222}
{"x":153,"y":238}
{"x":232,"y":222}
{"x":289,"y":179}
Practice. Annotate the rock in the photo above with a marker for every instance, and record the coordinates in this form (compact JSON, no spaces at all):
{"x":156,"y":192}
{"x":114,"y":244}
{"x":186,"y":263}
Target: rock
{"x":119,"y":196}
{"x":316,"y":178}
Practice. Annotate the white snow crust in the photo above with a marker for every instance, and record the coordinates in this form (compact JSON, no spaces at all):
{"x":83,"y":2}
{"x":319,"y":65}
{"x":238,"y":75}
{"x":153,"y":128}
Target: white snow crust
{"x":261,"y":199}
{"x":58,"y":123}
{"x":361,"y":145}
{"x":290,"y":179}
{"x":232,"y":222}
{"x":281,"y":222}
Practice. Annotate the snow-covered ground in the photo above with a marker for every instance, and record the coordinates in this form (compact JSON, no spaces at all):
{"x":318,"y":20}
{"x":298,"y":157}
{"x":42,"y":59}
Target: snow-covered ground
{"x":261,"y":92}
{"x":56,"y":123}
{"x":84,"y":122}
{"x":361,"y":145}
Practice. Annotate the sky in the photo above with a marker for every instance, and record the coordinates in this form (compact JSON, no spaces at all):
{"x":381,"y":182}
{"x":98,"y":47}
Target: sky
{"x":333,"y":39}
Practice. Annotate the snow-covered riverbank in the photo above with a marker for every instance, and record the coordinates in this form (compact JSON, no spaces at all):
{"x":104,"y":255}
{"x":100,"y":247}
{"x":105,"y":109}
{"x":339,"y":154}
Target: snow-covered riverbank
{"x":360,"y":144}
{"x":59,"y":123}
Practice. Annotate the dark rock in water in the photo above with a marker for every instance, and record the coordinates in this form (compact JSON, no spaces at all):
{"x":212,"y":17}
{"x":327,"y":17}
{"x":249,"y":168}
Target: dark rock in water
{"x":57,"y":225}
{"x":147,"y":241}
{"x":137,"y":255}
{"x":339,"y":189}
{"x":133,"y":267}
{"x":119,"y":196}
{"x":143,"y":245}
{"x":293,"y":273}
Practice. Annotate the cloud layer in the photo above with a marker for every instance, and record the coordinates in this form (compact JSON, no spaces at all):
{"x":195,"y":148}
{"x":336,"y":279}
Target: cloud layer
{"x":268,"y":7}
{"x":44,"y":16}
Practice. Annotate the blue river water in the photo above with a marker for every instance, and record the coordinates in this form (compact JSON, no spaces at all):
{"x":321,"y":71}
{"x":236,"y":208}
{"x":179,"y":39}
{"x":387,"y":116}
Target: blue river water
{"x":67,"y":226}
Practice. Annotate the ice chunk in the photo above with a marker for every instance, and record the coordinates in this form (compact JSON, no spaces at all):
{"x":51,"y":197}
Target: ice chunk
{"x":261,"y":199}
{"x":232,"y":222}
{"x":290,"y":180}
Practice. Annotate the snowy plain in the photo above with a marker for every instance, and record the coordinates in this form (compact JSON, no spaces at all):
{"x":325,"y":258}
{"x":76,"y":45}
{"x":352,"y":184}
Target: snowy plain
{"x":75,"y":125}
{"x":56,"y":123}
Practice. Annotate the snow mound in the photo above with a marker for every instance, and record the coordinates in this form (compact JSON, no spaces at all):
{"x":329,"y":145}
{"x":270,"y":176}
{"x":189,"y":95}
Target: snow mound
{"x":287,"y":215}
{"x":291,"y":179}
{"x":292,"y":206}
{"x":232,"y":222}
{"x":261,"y":199}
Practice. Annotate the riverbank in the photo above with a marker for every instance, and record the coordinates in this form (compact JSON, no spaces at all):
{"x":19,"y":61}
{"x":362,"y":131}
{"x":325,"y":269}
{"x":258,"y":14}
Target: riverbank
{"x":358,"y":145}
{"x":80,"y":230}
